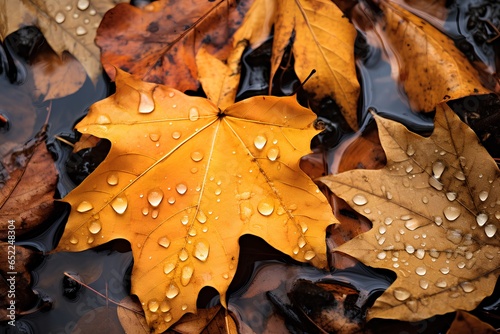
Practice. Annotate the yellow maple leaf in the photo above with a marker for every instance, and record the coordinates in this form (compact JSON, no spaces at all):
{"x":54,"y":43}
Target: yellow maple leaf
{"x":435,"y":213}
{"x":184,"y":180}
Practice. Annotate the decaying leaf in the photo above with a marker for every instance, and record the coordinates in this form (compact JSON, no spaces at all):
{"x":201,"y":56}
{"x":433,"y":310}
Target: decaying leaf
{"x":27,"y":197}
{"x":435,"y":213}
{"x":184,"y":180}
{"x":323,"y":39}
{"x":67,"y":25}
{"x":158,"y":43}
{"x":466,"y":323}
{"x":430,"y":67}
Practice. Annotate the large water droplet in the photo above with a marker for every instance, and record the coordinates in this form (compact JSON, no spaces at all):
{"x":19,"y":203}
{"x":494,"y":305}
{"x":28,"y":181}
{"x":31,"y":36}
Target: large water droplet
{"x":165,"y":306}
{"x":60,"y":17}
{"x":359,"y":199}
{"x":412,"y":224}
{"x":303,"y":227}
{"x":490,"y":230}
{"x":467,"y":287}
{"x":260,"y":141}
{"x":201,"y":217}
{"x":194,"y":114}
{"x":201,"y":250}
{"x":451,"y":196}
{"x":183,"y":255}
{"x":481,"y":219}
{"x":172,"y":291}
{"x":154,"y":137}
{"x":421,"y":271}
{"x":84,"y":206}
{"x":451,"y":213}
{"x":454,"y":236}
{"x":266,"y":207}
{"x":301,"y":242}
{"x":112,"y":179}
{"x":424,"y":284}
{"x":82,"y":5}
{"x":409,"y":249}
{"x":459,"y":175}
{"x":309,"y":255}
{"x":95,"y":227}
{"x":192,"y":232}
{"x":412,"y":305}
{"x":164,"y":242}
{"x":73,"y":240}
{"x":445,"y":270}
{"x":153,"y":305}
{"x":483,"y":195}
{"x":382,"y":255}
{"x":410,"y":151}
{"x":441,"y":283}
{"x":273,"y":154}
{"x":196,"y":156}
{"x":80,"y":31}
{"x":119,"y":204}
{"x":435,"y":183}
{"x":167,"y":269}
{"x":181,"y":188}
{"x":186,"y":274}
{"x":438,"y":169}
{"x":420,"y":253}
{"x":401,"y":294}
{"x":146,"y":103}
{"x":155,"y":197}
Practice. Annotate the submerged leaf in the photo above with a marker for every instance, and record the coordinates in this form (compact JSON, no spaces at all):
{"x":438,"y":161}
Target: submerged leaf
{"x":435,"y":214}
{"x":184,"y":180}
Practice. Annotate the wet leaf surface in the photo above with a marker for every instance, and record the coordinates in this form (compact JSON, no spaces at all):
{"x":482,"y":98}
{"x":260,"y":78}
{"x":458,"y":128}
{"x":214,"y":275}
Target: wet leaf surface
{"x":435,"y":217}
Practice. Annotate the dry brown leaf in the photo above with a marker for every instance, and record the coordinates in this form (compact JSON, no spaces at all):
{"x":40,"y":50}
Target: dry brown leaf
{"x":323,"y":39}
{"x":435,"y":214}
{"x":158,"y":43}
{"x":184,"y":180}
{"x":131,"y":316}
{"x":68,"y":25}
{"x":466,"y":323}
{"x":430,"y":67}
{"x":207,"y":321}
{"x":27,"y":195}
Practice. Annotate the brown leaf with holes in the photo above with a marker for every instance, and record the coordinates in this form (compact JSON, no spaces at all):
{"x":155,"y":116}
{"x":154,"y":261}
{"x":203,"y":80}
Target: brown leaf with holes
{"x":428,"y":63}
{"x":184,"y":181}
{"x":435,"y":214}
{"x":27,"y":197}
{"x":158,"y":43}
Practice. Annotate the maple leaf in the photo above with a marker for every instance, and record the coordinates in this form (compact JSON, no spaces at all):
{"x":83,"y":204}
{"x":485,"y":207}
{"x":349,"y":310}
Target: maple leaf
{"x":184,"y":180}
{"x":67,"y":25}
{"x":431,"y":68}
{"x":323,"y":39}
{"x":158,"y":43}
{"x":435,"y":215}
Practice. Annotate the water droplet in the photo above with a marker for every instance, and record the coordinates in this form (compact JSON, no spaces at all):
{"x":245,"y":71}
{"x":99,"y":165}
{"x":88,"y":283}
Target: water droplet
{"x":184,"y":220}
{"x":412,"y":224}
{"x":435,"y":183}
{"x":444,"y":270}
{"x":183,"y":255}
{"x":201,"y":250}
{"x":424,"y":284}
{"x":146,"y":103}
{"x":301,"y":242}
{"x":154,"y":137}
{"x":164,"y":242}
{"x":192,"y":232}
{"x":451,"y":213}
{"x":172,"y":291}
{"x":153,"y":305}
{"x":73,"y":240}
{"x":201,"y":217}
{"x":60,"y":17}
{"x":303,"y":227}
{"x":467,"y":287}
{"x":155,"y":197}
{"x":410,"y":151}
{"x":401,"y":294}
{"x":382,"y":229}
{"x":451,"y":196}
{"x":412,"y":305}
{"x":112,"y":179}
{"x":295,"y":250}
{"x":273,"y":154}
{"x":381,"y":255}
{"x":80,"y":31}
{"x":82,"y":5}
{"x":167,"y":269}
{"x":388,"y":221}
{"x":193,"y":114}
{"x":420,"y":253}
{"x":438,"y":169}
{"x":441,"y":283}
{"x":409,"y":168}
{"x":490,"y":230}
{"x":119,"y":204}
{"x":309,"y":255}
{"x":459,"y":175}
{"x":176,"y":134}
{"x":481,"y":219}
{"x":260,"y":141}
{"x":84,"y":206}
{"x":388,"y":195}
{"x":181,"y":188}
{"x":187,"y":273}
{"x":266,"y":207}
{"x":196,"y":156}
{"x":95,"y":227}
{"x":425,"y":200}
{"x":381,"y":241}
{"x":438,"y":221}
{"x":184,"y":307}
{"x":454,"y":236}
{"x":483,"y":195}
{"x":359,"y":199}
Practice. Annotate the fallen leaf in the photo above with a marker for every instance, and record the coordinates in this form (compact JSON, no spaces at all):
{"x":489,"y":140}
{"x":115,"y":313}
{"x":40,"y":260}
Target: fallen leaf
{"x":158,"y":43}
{"x":184,"y":180}
{"x":323,"y":39}
{"x":429,"y":8}
{"x":207,"y":321}
{"x":434,"y":209}
{"x":466,"y":323}
{"x":27,"y":197}
{"x":131,"y":316}
{"x":429,"y":66}
{"x":67,"y":25}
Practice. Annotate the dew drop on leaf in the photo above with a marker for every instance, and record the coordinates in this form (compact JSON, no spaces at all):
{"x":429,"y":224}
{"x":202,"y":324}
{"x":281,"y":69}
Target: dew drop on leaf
{"x":454,"y":236}
{"x":201,"y":217}
{"x":490,"y":230}
{"x":73,"y":240}
{"x":83,"y":4}
{"x":467,"y":287}
{"x":154,"y":214}
{"x":412,"y":305}
{"x":437,"y":169}
{"x":184,"y":220}
{"x":359,"y":199}
{"x":483,"y":195}
{"x":112,"y":179}
{"x":181,"y":188}
{"x":420,"y":254}
{"x":119,"y":204}
{"x":451,"y":213}
{"x":84,"y":206}
{"x":410,"y":151}
{"x":171,"y":200}
{"x":441,"y":283}
{"x":95,"y":227}
{"x":176,"y":134}
{"x":445,"y":270}
{"x":266,"y":207}
{"x":260,"y":141}
{"x":193,"y":114}
{"x":381,"y":255}
{"x":155,"y":196}
{"x":201,"y":250}
{"x":164,"y":306}
{"x":103,"y":119}
{"x":459,"y":175}
{"x":80,"y":31}
{"x":154,"y":137}
{"x":273,"y":154}
{"x":172,"y":291}
{"x":186,"y":274}
{"x":301,"y":242}
{"x":424,"y":284}
{"x":60,"y":17}
{"x":196,"y":156}
{"x":435,"y":183}
{"x":164,"y":242}
{"x":303,"y":227}
{"x":451,"y":196}
{"x":183,"y":255}
{"x":481,"y":219}
{"x":438,"y":221}
{"x":167,"y":269}
{"x":153,"y":305}
{"x":146,"y":103}
{"x":309,"y":255}
{"x":401,"y":294}
{"x":192,"y":232}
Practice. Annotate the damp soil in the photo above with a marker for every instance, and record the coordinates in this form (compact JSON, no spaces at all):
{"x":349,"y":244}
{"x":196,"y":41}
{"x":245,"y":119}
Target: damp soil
{"x":64,"y":306}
